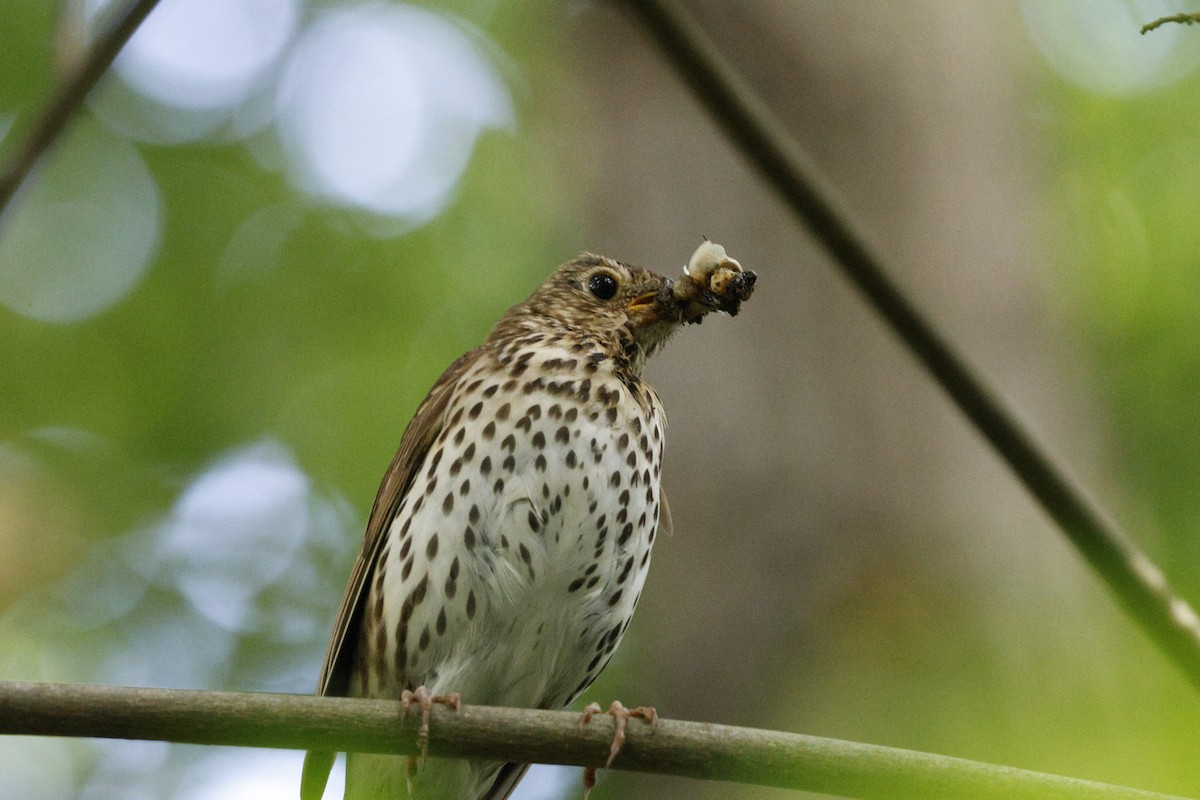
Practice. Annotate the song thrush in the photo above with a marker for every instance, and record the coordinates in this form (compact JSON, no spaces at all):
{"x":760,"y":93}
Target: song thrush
{"x":509,"y":541}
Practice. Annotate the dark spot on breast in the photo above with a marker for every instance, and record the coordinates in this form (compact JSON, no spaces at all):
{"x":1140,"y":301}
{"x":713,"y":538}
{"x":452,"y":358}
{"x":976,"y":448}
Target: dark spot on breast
{"x":571,"y":459}
{"x":539,"y":440}
{"x":509,"y":464}
{"x":631,"y":459}
{"x":458,"y":437}
{"x":623,"y":499}
{"x":441,"y":622}
{"x":448,"y":503}
{"x":610,"y":414}
{"x":539,"y":463}
{"x":498,"y":487}
{"x":465,"y":488}
{"x":524,"y":424}
{"x":623,"y":442}
{"x":562,"y":435}
{"x":626,"y":532}
{"x":485,"y":466}
{"x":469,"y":539}
{"x":455,"y":468}
{"x":473,"y":515}
{"x":431,"y":548}
{"x":471,"y":604}
{"x":574,"y":585}
{"x":509,"y":443}
{"x":423,"y":645}
{"x":406,"y":570}
{"x":491,"y":390}
{"x":533,"y":523}
{"x":469,"y":453}
{"x":615,"y":479}
{"x":625,"y":570}
{"x":475,"y":410}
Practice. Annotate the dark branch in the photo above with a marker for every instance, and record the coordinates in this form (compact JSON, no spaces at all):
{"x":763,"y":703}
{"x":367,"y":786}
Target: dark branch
{"x":69,"y":96}
{"x":1181,"y":19}
{"x":690,"y":749}
{"x":1141,"y":586}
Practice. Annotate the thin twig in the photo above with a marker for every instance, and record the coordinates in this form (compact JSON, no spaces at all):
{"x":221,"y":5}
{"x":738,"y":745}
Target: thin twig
{"x":1182,"y":19}
{"x":69,"y":96}
{"x":1129,"y":573}
{"x":690,"y":749}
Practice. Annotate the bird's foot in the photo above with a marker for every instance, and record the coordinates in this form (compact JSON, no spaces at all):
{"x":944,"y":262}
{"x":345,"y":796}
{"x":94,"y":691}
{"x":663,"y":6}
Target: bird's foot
{"x":424,"y":701}
{"x":621,"y":716}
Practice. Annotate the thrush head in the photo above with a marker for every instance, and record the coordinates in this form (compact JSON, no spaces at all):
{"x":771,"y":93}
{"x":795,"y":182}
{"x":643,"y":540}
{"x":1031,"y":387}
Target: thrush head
{"x":629,"y":306}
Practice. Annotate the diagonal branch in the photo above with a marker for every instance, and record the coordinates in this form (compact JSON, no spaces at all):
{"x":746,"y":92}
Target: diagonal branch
{"x":1163,"y":615}
{"x":690,"y":749}
{"x":69,"y":96}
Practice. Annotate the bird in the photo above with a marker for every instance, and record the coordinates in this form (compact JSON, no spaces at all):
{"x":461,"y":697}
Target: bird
{"x":511,"y":536}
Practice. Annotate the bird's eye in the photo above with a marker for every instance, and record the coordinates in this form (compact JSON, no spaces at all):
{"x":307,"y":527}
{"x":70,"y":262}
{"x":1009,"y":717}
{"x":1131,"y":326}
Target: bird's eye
{"x":603,"y":285}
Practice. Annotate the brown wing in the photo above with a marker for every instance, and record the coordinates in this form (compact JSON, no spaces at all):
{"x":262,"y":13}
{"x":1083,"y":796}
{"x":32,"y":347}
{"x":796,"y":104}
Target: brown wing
{"x":427,"y":423}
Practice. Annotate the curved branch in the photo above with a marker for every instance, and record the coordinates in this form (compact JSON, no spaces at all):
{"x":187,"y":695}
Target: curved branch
{"x":690,"y":749}
{"x":1181,"y":19}
{"x":69,"y":96}
{"x":1165,"y":616}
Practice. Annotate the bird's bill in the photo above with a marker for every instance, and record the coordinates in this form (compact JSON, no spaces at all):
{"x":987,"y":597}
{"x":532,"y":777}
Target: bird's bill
{"x":644,"y":310}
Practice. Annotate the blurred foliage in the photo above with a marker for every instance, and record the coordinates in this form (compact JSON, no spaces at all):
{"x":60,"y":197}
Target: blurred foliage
{"x":1123,"y":204}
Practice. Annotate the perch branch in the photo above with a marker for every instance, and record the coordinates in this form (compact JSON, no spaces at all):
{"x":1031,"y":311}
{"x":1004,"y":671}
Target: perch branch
{"x":690,"y":749}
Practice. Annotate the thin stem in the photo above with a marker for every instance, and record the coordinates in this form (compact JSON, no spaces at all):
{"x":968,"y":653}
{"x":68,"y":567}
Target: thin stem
{"x":69,"y":96}
{"x":690,"y":749}
{"x":1129,"y":573}
{"x":1181,"y":19}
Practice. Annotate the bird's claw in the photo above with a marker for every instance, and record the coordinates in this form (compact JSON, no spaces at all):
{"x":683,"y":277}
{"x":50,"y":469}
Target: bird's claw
{"x":424,"y":701}
{"x":621,"y":716}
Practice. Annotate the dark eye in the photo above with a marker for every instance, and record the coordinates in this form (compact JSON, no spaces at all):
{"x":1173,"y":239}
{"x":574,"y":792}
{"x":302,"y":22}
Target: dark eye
{"x":602,"y":285}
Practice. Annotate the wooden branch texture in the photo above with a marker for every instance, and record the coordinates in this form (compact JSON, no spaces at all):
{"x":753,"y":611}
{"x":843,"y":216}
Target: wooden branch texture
{"x":689,"y":749}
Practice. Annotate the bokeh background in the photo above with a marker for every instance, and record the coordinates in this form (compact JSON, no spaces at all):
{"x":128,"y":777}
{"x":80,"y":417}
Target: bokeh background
{"x":229,"y":287}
